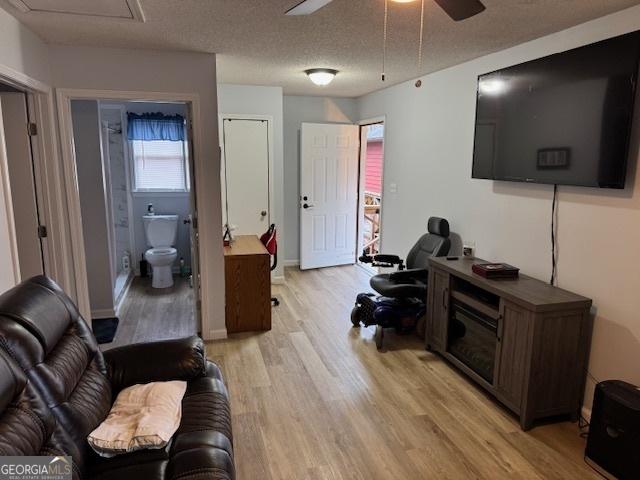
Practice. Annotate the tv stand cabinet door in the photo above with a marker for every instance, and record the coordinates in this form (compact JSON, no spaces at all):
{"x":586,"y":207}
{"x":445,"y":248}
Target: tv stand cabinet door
{"x":438,"y":310}
{"x":512,"y":356}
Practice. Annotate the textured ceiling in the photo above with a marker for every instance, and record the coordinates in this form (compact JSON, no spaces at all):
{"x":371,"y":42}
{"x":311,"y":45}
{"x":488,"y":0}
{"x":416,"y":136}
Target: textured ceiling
{"x":257,"y":44}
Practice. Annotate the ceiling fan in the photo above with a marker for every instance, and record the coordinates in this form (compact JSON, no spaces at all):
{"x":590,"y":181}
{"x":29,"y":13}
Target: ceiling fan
{"x":456,"y":9}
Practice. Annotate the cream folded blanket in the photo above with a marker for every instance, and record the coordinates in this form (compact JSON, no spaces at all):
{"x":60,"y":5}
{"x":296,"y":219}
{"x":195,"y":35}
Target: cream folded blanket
{"x":143,"y":416}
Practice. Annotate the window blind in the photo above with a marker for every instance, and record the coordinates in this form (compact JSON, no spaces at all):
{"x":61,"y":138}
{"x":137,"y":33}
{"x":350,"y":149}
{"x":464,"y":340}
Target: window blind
{"x":159,"y":165}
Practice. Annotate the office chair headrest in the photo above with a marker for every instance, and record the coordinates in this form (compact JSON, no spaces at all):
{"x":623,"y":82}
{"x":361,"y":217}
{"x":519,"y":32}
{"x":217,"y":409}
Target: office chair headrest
{"x":438,"y":226}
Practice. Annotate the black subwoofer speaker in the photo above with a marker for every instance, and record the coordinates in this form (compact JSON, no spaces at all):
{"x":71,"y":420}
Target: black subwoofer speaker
{"x":614,"y":430}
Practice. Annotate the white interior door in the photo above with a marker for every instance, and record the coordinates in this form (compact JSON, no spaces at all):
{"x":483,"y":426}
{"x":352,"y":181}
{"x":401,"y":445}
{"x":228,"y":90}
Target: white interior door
{"x":246,"y":176}
{"x":21,"y":178}
{"x":328,"y":194}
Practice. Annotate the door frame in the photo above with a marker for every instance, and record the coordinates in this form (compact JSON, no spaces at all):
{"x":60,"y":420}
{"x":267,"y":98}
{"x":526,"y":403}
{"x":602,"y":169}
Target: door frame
{"x":301,"y":183}
{"x":206,"y":229}
{"x":223,"y":161}
{"x":361,"y":166}
{"x":49,"y":181}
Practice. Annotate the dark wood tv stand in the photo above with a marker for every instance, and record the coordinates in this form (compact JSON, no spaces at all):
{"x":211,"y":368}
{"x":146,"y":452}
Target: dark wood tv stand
{"x":542,"y":335}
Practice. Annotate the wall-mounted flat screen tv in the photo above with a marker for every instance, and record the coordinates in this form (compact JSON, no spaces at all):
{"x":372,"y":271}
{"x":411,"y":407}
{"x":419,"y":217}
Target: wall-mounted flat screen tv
{"x":564,"y":119}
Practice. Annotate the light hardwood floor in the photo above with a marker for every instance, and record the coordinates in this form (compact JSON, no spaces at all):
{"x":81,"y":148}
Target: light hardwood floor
{"x":148,"y":314}
{"x":314,"y":399}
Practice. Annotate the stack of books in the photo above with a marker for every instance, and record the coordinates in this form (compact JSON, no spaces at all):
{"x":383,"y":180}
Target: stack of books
{"x":495,"y":270}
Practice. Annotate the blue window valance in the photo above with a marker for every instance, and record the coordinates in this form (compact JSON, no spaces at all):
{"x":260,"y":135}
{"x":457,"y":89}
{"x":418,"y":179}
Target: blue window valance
{"x":155,"y":126}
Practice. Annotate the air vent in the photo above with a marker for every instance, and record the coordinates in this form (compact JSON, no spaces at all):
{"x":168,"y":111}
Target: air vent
{"x":116,"y":9}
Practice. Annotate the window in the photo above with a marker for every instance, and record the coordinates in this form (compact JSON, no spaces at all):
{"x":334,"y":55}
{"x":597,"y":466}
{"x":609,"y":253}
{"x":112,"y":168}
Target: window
{"x":160,"y":166}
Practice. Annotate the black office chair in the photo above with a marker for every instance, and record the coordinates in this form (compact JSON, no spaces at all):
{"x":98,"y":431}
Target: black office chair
{"x":403,"y":293}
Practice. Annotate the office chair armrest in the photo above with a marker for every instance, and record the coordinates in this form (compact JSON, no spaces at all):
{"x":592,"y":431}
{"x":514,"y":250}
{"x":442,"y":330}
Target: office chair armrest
{"x":421,"y":274}
{"x":386,"y":258}
{"x":381,"y":259}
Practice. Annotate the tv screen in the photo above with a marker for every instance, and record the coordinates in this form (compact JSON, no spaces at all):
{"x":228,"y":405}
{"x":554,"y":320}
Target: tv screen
{"x":563,"y":119}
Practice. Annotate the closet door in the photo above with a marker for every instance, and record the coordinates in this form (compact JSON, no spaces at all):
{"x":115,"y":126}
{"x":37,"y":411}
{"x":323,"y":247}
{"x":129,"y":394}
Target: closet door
{"x":246,"y":206}
{"x":22,"y":184}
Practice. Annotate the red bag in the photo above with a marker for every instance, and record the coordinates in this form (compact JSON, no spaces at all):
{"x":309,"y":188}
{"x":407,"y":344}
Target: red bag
{"x":268,"y":239}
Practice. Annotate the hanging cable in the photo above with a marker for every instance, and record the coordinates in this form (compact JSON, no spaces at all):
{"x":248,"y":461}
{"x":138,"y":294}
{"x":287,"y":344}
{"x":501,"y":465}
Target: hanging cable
{"x":418,"y":83}
{"x":553,"y":235}
{"x":384,"y":38}
{"x":421,"y":39}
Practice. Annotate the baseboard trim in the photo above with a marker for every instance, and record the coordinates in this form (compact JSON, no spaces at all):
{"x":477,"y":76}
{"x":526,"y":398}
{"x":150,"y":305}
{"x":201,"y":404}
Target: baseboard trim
{"x":291,"y":263}
{"x":219,"y":334}
{"x":277,"y":280}
{"x":104,"y":313}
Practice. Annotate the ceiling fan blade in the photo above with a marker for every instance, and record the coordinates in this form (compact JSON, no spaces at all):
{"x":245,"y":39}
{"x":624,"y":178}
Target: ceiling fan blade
{"x":307,"y":7}
{"x":461,"y":9}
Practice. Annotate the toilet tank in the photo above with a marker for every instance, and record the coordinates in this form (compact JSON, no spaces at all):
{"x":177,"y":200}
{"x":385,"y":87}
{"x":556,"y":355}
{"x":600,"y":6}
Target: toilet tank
{"x":160,"y":230}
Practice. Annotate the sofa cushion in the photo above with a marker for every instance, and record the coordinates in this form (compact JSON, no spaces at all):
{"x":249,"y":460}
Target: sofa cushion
{"x":144,"y":416}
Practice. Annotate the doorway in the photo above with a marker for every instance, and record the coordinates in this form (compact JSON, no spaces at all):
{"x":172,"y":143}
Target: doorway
{"x":134,"y":166}
{"x":19,"y":171}
{"x":246,"y":173}
{"x":371,"y":190}
{"x":328,"y":194}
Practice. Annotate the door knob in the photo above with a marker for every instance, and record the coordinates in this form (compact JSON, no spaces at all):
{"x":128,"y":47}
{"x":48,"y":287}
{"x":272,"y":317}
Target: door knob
{"x":263,"y":213}
{"x":306,"y":205}
{"x":186,"y":221}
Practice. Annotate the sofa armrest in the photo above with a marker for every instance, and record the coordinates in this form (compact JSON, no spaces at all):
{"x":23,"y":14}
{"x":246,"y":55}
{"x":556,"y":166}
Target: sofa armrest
{"x":180,"y":359}
{"x":421,"y":274}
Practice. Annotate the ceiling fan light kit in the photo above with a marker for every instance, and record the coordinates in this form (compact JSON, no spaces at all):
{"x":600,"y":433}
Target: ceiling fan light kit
{"x":321,"y":76}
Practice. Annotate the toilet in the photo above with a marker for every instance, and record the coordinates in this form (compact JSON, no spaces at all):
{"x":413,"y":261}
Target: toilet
{"x":161,"y":233}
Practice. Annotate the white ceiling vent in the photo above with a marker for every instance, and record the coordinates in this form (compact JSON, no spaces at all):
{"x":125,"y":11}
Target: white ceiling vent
{"x":116,"y":9}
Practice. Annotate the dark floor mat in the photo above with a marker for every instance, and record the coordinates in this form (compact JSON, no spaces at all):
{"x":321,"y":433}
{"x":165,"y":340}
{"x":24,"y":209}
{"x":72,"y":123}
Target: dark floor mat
{"x":104,"y":329}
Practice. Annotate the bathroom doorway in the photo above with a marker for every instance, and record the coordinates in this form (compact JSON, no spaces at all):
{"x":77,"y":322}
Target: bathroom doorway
{"x":137,"y":197}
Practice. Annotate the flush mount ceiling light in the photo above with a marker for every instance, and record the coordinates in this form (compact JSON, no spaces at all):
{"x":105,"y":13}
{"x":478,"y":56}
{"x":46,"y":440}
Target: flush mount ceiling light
{"x":321,"y":76}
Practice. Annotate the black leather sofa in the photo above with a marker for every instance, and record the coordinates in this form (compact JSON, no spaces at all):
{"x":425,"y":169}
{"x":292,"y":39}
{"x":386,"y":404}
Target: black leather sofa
{"x":56,"y":387}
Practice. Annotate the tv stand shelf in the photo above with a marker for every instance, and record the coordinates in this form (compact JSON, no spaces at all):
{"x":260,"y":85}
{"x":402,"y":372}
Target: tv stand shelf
{"x":540,"y":335}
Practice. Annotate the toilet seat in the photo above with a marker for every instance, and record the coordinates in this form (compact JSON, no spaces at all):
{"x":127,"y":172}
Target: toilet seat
{"x":162,"y":251}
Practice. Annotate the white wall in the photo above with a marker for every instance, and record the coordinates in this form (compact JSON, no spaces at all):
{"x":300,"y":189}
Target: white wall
{"x":88,"y":152}
{"x":298,"y":109}
{"x":428,"y":150}
{"x":21,"y":50}
{"x":8,"y":248}
{"x":256,"y":100}
{"x":165,"y":72}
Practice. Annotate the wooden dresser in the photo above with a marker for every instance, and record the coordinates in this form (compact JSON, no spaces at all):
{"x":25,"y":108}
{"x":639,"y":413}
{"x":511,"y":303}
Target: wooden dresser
{"x":247,"y":285}
{"x":523,"y":340}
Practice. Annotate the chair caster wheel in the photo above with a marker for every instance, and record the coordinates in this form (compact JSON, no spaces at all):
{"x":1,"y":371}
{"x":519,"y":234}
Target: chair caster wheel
{"x":355,"y":316}
{"x":275,"y":301}
{"x":379,"y":336}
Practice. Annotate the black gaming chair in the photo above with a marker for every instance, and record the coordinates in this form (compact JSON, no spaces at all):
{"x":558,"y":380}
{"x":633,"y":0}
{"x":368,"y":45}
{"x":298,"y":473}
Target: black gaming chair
{"x":403,"y":293}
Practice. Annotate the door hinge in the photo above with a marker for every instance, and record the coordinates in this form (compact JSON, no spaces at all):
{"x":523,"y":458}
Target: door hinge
{"x":33,"y":129}
{"x":42,"y":231}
